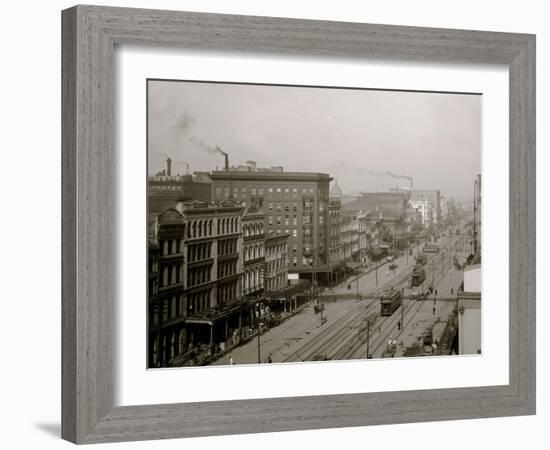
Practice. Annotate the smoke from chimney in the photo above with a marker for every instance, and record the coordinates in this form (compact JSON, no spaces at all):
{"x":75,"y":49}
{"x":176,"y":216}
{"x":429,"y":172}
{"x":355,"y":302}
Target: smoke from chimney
{"x":212,"y":150}
{"x":226,"y":158}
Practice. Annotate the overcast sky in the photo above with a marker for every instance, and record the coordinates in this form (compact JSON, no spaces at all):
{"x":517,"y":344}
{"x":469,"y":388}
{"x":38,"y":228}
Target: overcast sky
{"x":354,"y":135}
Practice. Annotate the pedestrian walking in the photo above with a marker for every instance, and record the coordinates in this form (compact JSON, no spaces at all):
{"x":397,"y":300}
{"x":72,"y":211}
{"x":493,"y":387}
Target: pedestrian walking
{"x":433,"y":311}
{"x":398,"y":325}
{"x":452,"y":291}
{"x":231,"y":361}
{"x":269,"y":360}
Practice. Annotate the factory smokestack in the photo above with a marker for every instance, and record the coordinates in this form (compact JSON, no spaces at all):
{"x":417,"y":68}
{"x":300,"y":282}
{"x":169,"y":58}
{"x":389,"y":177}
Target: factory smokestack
{"x":225,"y":156}
{"x":169,"y":167}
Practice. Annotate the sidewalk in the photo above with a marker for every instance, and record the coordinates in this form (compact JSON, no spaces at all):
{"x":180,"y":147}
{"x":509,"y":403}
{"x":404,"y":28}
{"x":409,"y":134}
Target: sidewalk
{"x":282,"y":340}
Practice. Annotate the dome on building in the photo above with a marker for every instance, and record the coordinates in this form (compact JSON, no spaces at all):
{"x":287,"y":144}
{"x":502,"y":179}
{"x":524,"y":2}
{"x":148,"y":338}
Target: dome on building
{"x":336,"y":191}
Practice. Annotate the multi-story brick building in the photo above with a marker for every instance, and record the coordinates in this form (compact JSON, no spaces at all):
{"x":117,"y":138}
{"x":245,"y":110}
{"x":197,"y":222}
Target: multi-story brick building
{"x":384,"y":204}
{"x":336,"y":253}
{"x":346,"y":236}
{"x":433,"y":197}
{"x":165,"y":191}
{"x":424,"y":210}
{"x":199,"y":269}
{"x":276,"y":262}
{"x":295,"y":203}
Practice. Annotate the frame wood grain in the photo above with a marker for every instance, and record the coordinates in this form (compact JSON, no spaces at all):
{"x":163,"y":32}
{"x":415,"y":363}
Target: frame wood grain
{"x":89,"y":37}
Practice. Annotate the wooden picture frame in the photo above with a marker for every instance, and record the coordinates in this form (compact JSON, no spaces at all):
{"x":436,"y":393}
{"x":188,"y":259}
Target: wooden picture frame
{"x":90,"y":34}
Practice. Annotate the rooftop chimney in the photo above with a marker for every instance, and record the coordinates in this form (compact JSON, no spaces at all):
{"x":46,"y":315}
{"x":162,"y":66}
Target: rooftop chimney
{"x":169,"y":167}
{"x":226,"y":162}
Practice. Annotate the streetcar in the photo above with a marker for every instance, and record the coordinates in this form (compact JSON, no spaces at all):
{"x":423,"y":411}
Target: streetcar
{"x":420,"y":260}
{"x":418,"y":276}
{"x":389,"y":302}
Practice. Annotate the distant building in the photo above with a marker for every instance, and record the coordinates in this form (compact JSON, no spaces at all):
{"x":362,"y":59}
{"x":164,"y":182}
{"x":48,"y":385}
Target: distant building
{"x":424,"y":210}
{"x":433,"y":196}
{"x":165,"y":191}
{"x":392,"y":204}
{"x":336,"y":253}
{"x":443,"y":207}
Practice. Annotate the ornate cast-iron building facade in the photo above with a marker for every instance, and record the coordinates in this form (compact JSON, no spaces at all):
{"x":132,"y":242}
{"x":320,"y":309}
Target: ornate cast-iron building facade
{"x":195,"y":261}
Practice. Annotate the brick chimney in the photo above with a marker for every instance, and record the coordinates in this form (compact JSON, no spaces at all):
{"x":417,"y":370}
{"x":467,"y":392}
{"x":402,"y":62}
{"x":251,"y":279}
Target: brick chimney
{"x":169,"y":167}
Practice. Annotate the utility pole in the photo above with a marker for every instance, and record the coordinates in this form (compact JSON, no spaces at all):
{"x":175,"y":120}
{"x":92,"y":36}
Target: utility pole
{"x":433,"y":274}
{"x":263,"y":270}
{"x":259,"y":340}
{"x":368,"y":338}
{"x":402,"y":310}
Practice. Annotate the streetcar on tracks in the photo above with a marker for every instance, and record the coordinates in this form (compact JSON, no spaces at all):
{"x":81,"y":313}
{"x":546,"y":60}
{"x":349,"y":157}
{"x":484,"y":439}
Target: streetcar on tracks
{"x":390,"y":300}
{"x":420,"y":260}
{"x":418,"y":276}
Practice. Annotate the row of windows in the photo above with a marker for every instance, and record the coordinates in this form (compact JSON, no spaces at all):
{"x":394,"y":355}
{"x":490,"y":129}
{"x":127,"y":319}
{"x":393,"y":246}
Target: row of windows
{"x":197,"y":252}
{"x":199,"y":275}
{"x":227,"y":268}
{"x":173,"y":344}
{"x":227,"y":292}
{"x":198,"y":302}
{"x":252,"y":252}
{"x":275,"y":249}
{"x":279,"y":263}
{"x":278,"y":206}
{"x":277,"y":282}
{"x":253,"y":229}
{"x":171,"y":246}
{"x":227,"y":247}
{"x":245,"y":192}
{"x":205,"y":227}
{"x":252,"y":280}
{"x":171,"y":274}
{"x":170,"y":309}
{"x":294,"y":233}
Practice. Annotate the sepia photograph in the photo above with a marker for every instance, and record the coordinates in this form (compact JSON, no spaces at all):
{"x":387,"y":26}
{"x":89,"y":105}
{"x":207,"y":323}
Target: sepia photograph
{"x":290,"y":224}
